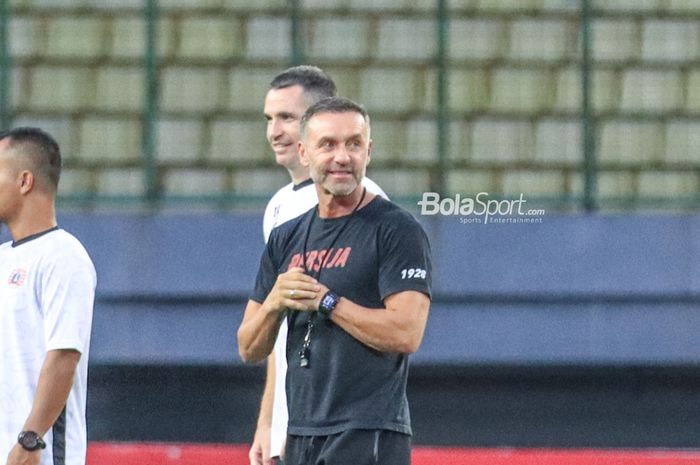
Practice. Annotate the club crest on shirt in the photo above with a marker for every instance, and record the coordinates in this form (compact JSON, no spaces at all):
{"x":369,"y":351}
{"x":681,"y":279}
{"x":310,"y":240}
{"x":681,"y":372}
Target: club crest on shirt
{"x":17,"y":277}
{"x":275,"y":216}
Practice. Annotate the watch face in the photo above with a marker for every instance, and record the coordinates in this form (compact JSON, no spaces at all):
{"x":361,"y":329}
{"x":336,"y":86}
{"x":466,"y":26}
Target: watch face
{"x":327,"y":304}
{"x":30,"y":440}
{"x":328,"y":300}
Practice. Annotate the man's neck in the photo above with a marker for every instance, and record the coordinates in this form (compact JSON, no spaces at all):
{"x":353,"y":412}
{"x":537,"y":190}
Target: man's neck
{"x":19,"y":233}
{"x":331,"y":206}
{"x":32,"y":220}
{"x":298,"y":175}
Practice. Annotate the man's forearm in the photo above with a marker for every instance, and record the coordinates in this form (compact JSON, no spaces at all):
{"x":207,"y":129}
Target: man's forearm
{"x":54,"y":385}
{"x":259,"y":453}
{"x":258,"y":332}
{"x":397,"y":328}
{"x":261,"y":321}
{"x":268,"y":397}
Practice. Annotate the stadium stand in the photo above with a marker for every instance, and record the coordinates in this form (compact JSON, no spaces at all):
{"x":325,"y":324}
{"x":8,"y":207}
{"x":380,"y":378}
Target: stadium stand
{"x":77,"y":65}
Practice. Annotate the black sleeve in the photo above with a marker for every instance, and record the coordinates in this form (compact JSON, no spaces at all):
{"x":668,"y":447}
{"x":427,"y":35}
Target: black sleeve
{"x":404,"y":257}
{"x":267,"y":272}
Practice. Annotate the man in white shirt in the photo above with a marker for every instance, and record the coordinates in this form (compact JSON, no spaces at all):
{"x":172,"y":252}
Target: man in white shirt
{"x":291,"y":93}
{"x":47,"y":289}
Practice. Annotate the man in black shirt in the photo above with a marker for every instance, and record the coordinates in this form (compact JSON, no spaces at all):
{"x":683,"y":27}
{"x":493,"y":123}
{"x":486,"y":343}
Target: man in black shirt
{"x":352,"y":276}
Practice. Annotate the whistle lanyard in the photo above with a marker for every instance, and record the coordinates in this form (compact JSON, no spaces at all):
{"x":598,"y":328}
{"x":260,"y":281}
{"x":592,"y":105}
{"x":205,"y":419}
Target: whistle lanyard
{"x":305,"y":352}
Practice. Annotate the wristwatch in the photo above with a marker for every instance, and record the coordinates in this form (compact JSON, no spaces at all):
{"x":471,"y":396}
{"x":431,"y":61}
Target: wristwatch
{"x":30,"y":441}
{"x":328,"y":303}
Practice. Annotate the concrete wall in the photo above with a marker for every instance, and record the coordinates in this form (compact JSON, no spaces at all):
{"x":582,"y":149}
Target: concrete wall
{"x":593,"y":290}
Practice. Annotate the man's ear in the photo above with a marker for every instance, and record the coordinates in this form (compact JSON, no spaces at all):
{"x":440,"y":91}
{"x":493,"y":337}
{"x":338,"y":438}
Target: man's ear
{"x":301,"y":150}
{"x":369,"y":152}
{"x":26,"y":181}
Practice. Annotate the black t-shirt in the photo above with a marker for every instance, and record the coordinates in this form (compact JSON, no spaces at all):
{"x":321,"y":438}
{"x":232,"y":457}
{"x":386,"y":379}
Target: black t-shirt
{"x":381,"y":250}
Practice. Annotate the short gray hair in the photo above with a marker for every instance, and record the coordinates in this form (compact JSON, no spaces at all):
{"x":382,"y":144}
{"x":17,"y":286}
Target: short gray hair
{"x":332,"y":105}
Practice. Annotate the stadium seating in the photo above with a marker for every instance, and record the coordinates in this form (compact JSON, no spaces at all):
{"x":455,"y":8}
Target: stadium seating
{"x":547,"y":39}
{"x":683,"y":6}
{"x":244,"y":139}
{"x":268,"y":38}
{"x":392,"y":43}
{"x":535,"y":183}
{"x":558,"y":141}
{"x":615,"y":39}
{"x":693,"y":92}
{"x":338,"y":37}
{"x":179,"y":140}
{"x":665,"y":184}
{"x":514,"y":89}
{"x":74,"y":37}
{"x":476,"y":39}
{"x":259,"y":181}
{"x":121,"y":182}
{"x":120,"y":89}
{"x":501,"y":141}
{"x":402,"y":181}
{"x":110,"y":140}
{"x":651,"y":91}
{"x":209,"y":38}
{"x":630,"y":142}
{"x":192,"y":90}
{"x":682,"y":141}
{"x":520,"y":91}
{"x":191,"y":181}
{"x":128,"y":37}
{"x":670,"y":40}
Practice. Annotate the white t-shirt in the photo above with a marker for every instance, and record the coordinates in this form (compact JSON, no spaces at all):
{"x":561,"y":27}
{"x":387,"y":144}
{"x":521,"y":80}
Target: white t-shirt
{"x":47,"y":291}
{"x":288,"y":203}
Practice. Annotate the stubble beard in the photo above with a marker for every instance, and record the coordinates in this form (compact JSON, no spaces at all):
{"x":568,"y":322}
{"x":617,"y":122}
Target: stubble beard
{"x":337,"y":189}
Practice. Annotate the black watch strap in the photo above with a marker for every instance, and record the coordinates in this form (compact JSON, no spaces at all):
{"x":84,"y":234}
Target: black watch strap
{"x":30,"y":441}
{"x":327,"y":304}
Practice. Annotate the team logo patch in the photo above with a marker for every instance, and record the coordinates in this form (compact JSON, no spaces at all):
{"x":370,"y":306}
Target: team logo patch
{"x":17,"y":277}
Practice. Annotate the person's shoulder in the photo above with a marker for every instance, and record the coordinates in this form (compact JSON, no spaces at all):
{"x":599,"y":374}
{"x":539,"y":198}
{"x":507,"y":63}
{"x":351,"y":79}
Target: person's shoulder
{"x":284,"y":190}
{"x":391,"y":220}
{"x":288,"y":203}
{"x":293,"y":198}
{"x":62,"y":238}
{"x":290,"y":227}
{"x":390,"y":212}
{"x":281,"y":194}
{"x":63,"y":247}
{"x":304,"y":196}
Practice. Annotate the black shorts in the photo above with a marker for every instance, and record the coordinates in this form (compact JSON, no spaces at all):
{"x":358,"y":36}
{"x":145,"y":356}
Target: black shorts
{"x":351,"y":447}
